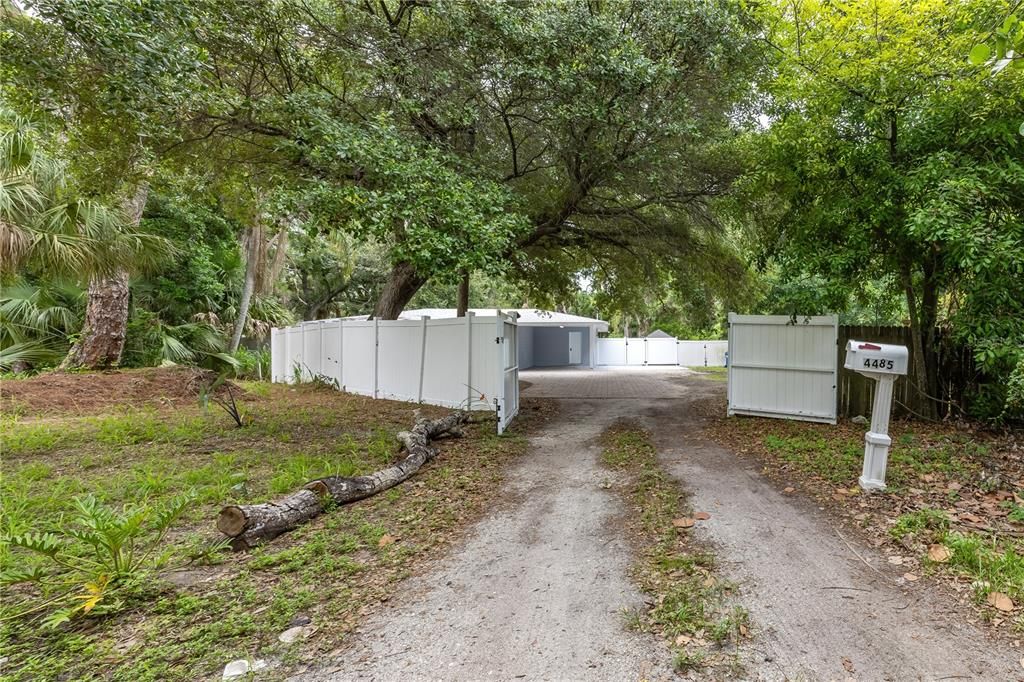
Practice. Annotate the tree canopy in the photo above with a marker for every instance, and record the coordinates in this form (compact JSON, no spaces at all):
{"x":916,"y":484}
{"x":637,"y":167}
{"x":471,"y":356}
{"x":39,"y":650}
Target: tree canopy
{"x":658,"y":163}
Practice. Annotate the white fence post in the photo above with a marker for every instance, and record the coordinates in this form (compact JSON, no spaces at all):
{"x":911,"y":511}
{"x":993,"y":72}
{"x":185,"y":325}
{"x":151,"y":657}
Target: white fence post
{"x":341,"y":354}
{"x":302,"y":350}
{"x":423,"y":355}
{"x":376,"y":353}
{"x":323,"y":354}
{"x":469,"y":359}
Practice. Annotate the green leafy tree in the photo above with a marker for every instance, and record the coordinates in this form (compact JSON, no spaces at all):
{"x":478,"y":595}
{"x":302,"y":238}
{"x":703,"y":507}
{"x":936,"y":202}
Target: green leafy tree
{"x":889,"y":156}
{"x":115,"y":79}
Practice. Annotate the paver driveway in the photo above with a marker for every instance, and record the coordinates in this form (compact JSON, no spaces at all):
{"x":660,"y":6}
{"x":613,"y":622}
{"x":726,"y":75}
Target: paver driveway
{"x":605,"y":382}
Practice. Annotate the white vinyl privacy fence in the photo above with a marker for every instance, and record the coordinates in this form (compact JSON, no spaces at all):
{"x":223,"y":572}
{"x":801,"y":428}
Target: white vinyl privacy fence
{"x":783,"y":367}
{"x":466,"y":362}
{"x":661,"y":351}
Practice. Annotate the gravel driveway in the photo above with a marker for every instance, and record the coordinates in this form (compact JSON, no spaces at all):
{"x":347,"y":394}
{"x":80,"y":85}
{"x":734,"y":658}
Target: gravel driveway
{"x":539,"y":589}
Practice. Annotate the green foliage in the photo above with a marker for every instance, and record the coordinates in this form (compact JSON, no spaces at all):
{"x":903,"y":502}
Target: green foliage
{"x":215,"y":393}
{"x":926,"y":525}
{"x":999,"y":566}
{"x":884,"y":159}
{"x":84,"y":563}
{"x":1005,"y":46}
{"x":206,"y":268}
{"x":252,"y":364}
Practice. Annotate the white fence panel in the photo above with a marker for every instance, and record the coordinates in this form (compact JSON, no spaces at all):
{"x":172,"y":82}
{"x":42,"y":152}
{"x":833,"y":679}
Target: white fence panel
{"x":452,"y":362}
{"x":310,"y":349}
{"x":691,"y":353}
{"x":487,"y":360}
{"x":359,"y":357}
{"x":784,"y":370}
{"x":715,"y":353}
{"x":661,"y":351}
{"x":444,"y":374}
{"x":636,"y":352}
{"x":330,"y":350}
{"x":278,"y":361}
{"x":702,"y":353}
{"x":611,"y":351}
{"x":293,"y":352}
{"x":508,"y":401}
{"x":399,"y":343}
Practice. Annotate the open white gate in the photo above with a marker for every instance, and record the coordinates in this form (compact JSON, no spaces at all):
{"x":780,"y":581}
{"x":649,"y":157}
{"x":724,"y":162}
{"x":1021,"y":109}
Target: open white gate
{"x":508,"y":400}
{"x":783,"y":367}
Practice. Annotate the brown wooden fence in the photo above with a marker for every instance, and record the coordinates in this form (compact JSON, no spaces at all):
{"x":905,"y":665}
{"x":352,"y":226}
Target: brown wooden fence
{"x":856,"y":392}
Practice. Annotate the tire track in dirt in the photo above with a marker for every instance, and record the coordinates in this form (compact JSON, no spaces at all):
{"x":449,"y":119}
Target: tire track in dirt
{"x":538,"y":590}
{"x":821,"y":612}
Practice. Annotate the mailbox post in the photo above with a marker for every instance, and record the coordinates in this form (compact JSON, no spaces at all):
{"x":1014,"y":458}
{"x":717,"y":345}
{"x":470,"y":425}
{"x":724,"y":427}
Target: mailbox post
{"x":882,"y":362}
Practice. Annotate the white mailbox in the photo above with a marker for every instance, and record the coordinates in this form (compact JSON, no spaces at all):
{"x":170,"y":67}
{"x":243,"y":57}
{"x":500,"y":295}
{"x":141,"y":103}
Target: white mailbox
{"x":882,"y":362}
{"x":876,"y":358}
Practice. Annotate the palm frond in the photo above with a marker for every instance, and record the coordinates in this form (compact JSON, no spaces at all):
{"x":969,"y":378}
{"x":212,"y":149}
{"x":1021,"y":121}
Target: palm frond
{"x":34,"y":353}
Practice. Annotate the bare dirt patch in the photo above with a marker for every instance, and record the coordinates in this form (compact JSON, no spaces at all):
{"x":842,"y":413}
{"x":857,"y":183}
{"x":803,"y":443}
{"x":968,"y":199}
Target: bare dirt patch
{"x":537,"y":590}
{"x":93,"y":392}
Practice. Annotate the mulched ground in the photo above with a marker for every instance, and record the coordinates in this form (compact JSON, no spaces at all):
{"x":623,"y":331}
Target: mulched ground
{"x":79,"y":393}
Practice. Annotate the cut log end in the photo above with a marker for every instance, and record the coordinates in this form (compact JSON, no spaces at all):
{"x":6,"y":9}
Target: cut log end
{"x":231,"y":521}
{"x":319,"y":487}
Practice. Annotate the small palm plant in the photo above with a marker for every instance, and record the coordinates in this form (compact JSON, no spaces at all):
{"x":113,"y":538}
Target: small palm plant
{"x":81,"y":568}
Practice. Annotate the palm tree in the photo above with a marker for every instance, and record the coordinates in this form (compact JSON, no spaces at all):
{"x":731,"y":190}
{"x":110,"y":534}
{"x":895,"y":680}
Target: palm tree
{"x":49,"y":230}
{"x":35,"y":320}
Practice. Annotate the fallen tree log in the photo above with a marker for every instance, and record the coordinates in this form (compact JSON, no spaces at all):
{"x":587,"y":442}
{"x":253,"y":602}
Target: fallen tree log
{"x":251,"y":524}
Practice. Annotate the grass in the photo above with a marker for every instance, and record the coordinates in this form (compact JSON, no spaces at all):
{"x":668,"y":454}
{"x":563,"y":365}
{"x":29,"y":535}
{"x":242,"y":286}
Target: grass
{"x":186,"y":624}
{"x":838,"y":459}
{"x":691,"y":608}
{"x":990,"y":563}
{"x":714,"y":373}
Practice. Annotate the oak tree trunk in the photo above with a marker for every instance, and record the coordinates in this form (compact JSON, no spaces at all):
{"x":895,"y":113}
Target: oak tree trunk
{"x":101,"y":342}
{"x":402,"y":284}
{"x":251,"y":524}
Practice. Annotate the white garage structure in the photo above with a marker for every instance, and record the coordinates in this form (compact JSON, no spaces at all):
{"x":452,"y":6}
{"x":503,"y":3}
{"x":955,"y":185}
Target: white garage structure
{"x":545,"y":338}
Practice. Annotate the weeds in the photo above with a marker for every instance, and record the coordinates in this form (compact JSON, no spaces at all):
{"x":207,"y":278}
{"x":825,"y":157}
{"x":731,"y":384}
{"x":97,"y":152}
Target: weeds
{"x":208,"y":394}
{"x":332,"y":570}
{"x":81,"y":565}
{"x":925,"y":525}
{"x":690,"y":601}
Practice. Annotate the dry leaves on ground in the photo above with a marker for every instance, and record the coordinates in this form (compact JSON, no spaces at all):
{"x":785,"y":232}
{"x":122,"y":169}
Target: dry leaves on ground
{"x":940,"y":554}
{"x":1000,"y":601}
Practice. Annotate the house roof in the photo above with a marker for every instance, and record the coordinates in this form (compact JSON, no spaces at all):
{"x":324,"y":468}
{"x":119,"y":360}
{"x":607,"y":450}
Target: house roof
{"x":659,"y":334}
{"x":528,"y":317}
{"x":532,"y":317}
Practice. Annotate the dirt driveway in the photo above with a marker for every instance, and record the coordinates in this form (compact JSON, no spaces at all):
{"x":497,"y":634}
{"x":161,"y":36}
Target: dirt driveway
{"x":539,"y":589}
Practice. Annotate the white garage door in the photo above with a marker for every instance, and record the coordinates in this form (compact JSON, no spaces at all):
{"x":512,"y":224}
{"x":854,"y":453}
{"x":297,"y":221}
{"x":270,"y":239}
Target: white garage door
{"x":783,"y":367}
